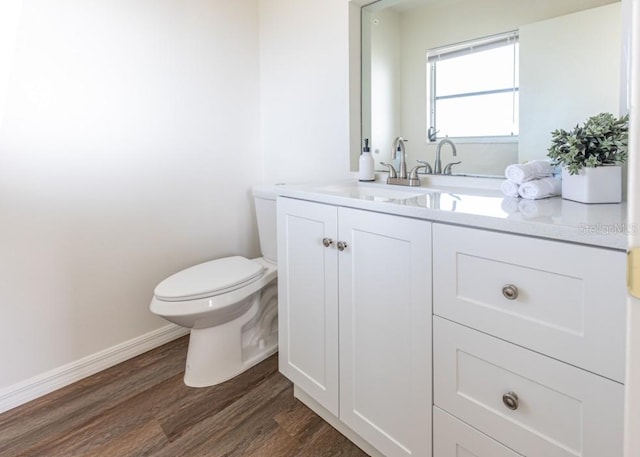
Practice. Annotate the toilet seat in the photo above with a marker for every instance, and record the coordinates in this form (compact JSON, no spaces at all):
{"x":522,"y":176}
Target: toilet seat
{"x":209,"y":279}
{"x":212,"y":310}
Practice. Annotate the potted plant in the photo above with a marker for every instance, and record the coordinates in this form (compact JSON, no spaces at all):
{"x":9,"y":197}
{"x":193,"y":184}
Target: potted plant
{"x":591,"y":156}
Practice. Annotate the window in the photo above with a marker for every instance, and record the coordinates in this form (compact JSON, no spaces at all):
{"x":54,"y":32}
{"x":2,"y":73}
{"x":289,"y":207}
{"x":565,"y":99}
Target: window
{"x":473,"y":89}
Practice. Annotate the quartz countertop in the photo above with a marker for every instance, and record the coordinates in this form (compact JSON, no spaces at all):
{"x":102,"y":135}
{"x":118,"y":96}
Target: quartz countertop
{"x":602,"y":225}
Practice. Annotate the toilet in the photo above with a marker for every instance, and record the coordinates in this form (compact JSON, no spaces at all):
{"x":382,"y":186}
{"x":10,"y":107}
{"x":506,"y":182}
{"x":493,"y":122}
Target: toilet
{"x":230,"y":305}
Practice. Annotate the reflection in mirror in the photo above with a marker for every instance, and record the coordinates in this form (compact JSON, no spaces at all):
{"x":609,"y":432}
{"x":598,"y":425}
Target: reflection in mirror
{"x":482,"y":107}
{"x":569,"y":69}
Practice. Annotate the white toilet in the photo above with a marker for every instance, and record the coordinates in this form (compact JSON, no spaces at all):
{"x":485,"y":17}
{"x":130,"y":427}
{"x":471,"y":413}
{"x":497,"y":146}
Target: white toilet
{"x":229,"y":304}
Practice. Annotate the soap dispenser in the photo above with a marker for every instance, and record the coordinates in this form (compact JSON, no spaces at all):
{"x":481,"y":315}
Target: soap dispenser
{"x":365,"y":169}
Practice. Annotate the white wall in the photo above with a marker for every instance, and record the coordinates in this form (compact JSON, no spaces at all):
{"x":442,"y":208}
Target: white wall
{"x":128,"y":147}
{"x":10,"y":11}
{"x":304,"y":74}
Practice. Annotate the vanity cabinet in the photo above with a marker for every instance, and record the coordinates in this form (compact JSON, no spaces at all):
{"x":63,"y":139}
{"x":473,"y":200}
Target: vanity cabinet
{"x":522,"y":353}
{"x":355,"y":319}
{"x":528,"y":344}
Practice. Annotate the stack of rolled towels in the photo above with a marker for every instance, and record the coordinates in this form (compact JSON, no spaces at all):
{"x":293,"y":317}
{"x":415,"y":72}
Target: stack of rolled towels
{"x":532,"y":180}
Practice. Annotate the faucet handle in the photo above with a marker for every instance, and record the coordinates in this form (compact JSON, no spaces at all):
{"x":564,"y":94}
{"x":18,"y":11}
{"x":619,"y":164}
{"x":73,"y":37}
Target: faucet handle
{"x":392,"y":171}
{"x":427,"y":168}
{"x":413,"y":174}
{"x":447,"y":168}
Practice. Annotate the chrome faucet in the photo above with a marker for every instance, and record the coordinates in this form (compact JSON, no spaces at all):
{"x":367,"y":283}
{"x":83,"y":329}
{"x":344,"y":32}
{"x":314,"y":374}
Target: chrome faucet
{"x":399,"y":177}
{"x":398,"y":145}
{"x":437,"y":166}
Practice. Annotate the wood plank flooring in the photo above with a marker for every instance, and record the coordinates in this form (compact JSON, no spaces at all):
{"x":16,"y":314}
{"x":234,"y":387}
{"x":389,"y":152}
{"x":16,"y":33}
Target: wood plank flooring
{"x":142,"y":408}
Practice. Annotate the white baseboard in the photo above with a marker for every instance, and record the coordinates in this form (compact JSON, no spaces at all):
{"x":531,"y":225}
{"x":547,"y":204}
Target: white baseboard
{"x":47,"y":382}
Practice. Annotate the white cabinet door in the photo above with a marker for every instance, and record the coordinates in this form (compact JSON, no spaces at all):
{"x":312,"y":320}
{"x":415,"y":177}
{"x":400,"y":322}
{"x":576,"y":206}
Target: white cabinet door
{"x":308,"y":298}
{"x":385,"y":330}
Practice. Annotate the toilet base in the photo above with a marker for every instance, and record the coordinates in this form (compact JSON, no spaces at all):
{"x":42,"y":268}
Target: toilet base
{"x":219,"y":369}
{"x":217,"y":354}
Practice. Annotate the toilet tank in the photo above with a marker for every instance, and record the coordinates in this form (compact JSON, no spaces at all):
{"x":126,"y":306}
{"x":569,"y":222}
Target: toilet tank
{"x":264,"y":198}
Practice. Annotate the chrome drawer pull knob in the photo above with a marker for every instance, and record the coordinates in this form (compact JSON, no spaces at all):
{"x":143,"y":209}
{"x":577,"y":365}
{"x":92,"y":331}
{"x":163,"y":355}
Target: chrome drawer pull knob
{"x":342,"y":245}
{"x":510,"y":400}
{"x":327,"y":242}
{"x":510,"y":292}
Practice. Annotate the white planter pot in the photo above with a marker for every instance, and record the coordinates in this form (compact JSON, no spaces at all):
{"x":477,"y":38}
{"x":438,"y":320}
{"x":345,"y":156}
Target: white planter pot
{"x":593,"y":185}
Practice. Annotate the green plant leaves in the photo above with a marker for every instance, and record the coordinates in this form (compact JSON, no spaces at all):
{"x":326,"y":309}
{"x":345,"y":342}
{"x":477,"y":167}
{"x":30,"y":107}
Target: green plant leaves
{"x":601,"y":140}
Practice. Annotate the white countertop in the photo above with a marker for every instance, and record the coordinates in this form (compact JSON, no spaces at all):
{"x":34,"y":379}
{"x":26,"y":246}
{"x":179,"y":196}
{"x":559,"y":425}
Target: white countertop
{"x":601,"y":225}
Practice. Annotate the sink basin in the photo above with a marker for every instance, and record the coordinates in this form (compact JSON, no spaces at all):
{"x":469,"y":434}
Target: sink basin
{"x":374,"y":193}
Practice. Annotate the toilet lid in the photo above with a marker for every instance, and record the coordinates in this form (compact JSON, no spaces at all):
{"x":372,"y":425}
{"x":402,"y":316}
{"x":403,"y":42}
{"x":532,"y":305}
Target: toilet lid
{"x":209,"y":279}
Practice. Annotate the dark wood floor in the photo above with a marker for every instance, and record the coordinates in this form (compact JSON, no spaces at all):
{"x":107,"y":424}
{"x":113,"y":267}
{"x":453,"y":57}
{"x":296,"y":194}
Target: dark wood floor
{"x":142,"y":408}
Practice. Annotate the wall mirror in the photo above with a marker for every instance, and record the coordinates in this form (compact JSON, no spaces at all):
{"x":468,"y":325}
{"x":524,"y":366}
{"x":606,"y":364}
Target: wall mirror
{"x":569,"y":69}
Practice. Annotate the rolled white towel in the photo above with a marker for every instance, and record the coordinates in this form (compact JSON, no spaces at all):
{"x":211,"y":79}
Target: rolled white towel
{"x":540,"y":188}
{"x":509,"y":188}
{"x":523,"y":172}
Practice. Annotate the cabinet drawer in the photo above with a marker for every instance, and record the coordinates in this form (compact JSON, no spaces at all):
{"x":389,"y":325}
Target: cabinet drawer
{"x":453,"y":438}
{"x":561,"y":410}
{"x":567,"y":301}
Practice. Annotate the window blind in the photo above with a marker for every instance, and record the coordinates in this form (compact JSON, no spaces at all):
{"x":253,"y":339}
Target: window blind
{"x":469,"y":47}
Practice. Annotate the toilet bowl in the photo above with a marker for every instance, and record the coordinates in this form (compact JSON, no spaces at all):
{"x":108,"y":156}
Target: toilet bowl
{"x":230,"y":305}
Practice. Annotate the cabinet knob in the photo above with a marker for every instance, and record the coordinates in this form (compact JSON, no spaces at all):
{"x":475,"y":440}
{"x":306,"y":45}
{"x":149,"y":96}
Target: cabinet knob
{"x":510,"y":292}
{"x":341,"y":245}
{"x":510,"y":400}
{"x":327,"y":242}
